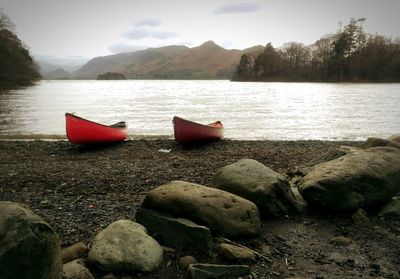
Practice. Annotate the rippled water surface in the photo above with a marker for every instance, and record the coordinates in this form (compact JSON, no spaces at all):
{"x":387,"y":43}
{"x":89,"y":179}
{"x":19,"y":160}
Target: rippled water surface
{"x":274,"y":111}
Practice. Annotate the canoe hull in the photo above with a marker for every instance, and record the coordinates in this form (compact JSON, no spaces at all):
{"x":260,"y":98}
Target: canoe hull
{"x":186,"y":131}
{"x":83,"y":131}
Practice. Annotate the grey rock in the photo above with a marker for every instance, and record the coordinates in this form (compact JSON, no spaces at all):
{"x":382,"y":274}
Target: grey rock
{"x":222,"y":212}
{"x":208,"y":271}
{"x":125,"y":246}
{"x":175,"y":232}
{"x":359,"y":179}
{"x":393,"y":141}
{"x":250,"y":179}
{"x":29,"y":247}
{"x":76,"y":270}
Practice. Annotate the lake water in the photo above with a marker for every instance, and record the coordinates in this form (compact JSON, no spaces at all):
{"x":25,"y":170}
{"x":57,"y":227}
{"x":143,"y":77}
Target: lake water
{"x":272,"y":111}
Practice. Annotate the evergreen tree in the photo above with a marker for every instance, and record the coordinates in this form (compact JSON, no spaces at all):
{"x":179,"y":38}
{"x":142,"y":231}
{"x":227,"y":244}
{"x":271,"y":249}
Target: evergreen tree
{"x":243,"y":70}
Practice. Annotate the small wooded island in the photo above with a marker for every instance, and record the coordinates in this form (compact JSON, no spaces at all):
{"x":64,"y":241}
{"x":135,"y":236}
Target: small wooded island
{"x":111,"y":76}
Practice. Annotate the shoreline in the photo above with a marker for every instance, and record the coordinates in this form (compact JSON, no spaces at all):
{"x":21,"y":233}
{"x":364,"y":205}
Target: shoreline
{"x":58,"y":137}
{"x":81,"y":190}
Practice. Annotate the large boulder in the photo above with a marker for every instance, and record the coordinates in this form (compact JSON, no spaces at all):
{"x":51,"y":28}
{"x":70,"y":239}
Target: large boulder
{"x":29,"y":247}
{"x":361,"y":178}
{"x":249,"y":179}
{"x":125,"y":246}
{"x":222,"y":212}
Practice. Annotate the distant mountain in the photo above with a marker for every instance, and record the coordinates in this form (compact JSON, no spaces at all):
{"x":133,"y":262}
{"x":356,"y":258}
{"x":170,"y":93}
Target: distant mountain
{"x":58,"y":67}
{"x":207,"y":61}
{"x":57,"y":74}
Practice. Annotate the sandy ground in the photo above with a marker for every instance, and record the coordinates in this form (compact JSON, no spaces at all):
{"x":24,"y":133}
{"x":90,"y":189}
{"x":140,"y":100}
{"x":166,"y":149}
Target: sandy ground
{"x":80,"y":190}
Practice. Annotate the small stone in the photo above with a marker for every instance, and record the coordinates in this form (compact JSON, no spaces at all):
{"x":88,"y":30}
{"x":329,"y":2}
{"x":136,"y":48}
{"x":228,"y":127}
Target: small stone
{"x":109,"y":276}
{"x":76,"y":270}
{"x":338,"y":258}
{"x":360,"y":216}
{"x":340,"y":241}
{"x":185,"y":261}
{"x":204,"y":271}
{"x":281,"y":237}
{"x":391,"y":209}
{"x":45,"y":203}
{"x":167,"y":249}
{"x":266,"y":250}
{"x":76,"y":251}
{"x":235,"y":253}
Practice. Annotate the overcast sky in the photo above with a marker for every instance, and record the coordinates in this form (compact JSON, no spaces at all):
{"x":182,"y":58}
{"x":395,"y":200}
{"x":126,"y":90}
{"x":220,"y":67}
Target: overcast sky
{"x":92,"y":28}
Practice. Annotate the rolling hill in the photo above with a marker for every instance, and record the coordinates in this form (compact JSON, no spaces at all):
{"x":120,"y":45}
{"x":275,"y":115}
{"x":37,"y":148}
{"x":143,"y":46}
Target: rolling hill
{"x":207,"y":61}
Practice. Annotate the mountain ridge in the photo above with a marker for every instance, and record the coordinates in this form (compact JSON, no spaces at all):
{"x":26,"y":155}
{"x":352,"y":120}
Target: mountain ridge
{"x":206,"y":61}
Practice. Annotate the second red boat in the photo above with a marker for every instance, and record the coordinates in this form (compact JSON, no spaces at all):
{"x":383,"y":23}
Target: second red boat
{"x":186,"y":131}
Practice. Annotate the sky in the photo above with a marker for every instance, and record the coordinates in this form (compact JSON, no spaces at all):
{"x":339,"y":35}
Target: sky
{"x":90,"y":28}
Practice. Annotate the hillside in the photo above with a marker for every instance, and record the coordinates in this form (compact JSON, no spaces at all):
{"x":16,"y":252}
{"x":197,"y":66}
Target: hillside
{"x":207,"y":61}
{"x":17,"y":68}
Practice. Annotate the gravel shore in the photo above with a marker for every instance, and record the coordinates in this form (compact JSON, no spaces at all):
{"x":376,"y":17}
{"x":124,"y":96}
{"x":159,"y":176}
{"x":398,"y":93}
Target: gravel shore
{"x":79,"y":191}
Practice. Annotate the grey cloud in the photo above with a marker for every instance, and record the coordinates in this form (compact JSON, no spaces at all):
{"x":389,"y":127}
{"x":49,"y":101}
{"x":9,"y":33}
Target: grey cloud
{"x":164,"y":35}
{"x":138,"y":33}
{"x":118,"y":48}
{"x":238,"y":8}
{"x":148,"y":22}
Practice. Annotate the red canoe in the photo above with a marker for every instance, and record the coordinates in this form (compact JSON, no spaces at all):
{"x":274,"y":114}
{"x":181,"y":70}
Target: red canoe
{"x":82,"y":131}
{"x":187,"y":131}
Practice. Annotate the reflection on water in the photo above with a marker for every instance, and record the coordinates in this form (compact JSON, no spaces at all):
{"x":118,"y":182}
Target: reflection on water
{"x":275,"y":111}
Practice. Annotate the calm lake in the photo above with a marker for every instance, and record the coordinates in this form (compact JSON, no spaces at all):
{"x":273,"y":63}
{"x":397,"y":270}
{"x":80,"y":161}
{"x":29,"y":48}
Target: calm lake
{"x":272,"y":111}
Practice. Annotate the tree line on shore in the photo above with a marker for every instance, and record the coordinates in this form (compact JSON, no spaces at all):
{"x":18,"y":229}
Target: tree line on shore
{"x":349,"y":55}
{"x":17,"y":68}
